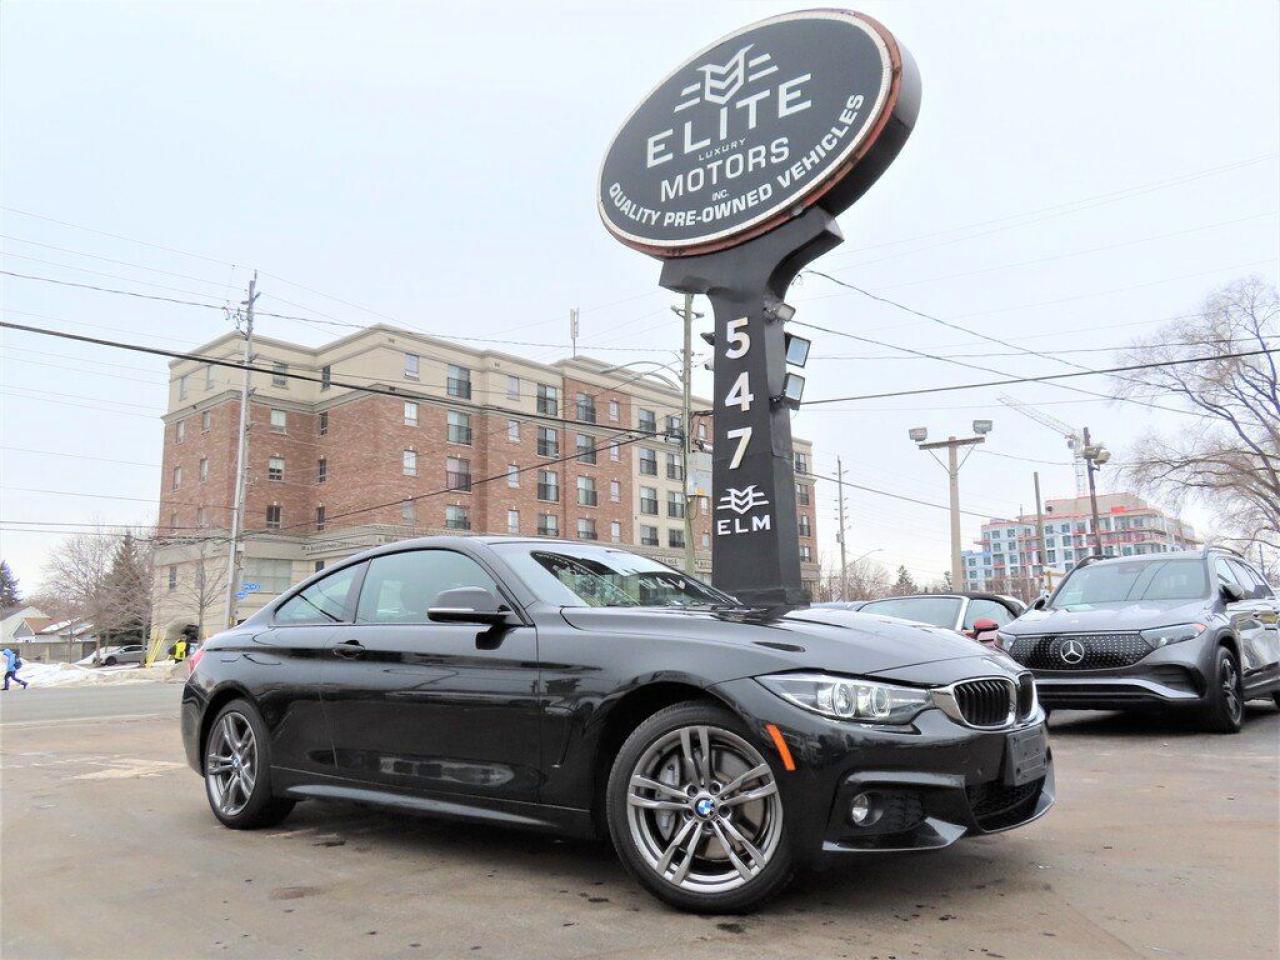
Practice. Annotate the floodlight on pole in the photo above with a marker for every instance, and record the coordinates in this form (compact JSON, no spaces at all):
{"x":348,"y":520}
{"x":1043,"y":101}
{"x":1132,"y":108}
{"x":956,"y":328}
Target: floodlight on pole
{"x":918,"y":434}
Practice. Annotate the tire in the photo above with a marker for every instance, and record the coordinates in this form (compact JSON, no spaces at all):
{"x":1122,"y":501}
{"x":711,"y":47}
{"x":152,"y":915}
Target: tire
{"x":237,"y":770}
{"x":671,"y":830}
{"x":1224,"y":701}
{"x":110,"y":662}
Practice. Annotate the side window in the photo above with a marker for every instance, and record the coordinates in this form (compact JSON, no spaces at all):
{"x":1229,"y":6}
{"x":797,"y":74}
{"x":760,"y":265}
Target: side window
{"x":980,"y":609}
{"x":326,"y":601}
{"x":400,"y":587}
{"x":1253,"y":584}
{"x":1227,"y":575}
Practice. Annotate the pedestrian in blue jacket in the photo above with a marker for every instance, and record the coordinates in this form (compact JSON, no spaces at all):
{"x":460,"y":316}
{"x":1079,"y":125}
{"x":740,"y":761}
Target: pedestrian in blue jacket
{"x":11,"y":664}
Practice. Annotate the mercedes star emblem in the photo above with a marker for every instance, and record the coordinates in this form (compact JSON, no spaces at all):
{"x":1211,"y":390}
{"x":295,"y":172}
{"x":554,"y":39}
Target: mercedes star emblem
{"x":1071,"y":651}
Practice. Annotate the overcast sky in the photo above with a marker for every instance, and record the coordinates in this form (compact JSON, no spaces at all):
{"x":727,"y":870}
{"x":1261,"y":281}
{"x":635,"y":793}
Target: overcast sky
{"x":1078,"y":174}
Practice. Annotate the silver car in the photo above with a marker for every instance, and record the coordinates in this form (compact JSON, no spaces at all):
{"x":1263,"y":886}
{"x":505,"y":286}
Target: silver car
{"x":114,"y":656}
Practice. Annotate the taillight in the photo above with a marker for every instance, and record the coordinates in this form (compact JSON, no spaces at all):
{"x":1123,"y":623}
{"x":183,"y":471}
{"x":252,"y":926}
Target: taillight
{"x":194,"y":659}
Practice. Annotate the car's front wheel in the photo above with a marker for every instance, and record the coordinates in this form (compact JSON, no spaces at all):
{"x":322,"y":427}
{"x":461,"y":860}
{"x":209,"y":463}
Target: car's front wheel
{"x":1224,"y":701}
{"x":111,"y":661}
{"x":695,"y":811}
{"x":237,"y":770}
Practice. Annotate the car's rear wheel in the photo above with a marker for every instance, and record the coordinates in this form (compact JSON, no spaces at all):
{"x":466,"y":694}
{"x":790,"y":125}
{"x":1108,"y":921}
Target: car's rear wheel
{"x":111,"y":661}
{"x":695,"y":811}
{"x":237,"y":770}
{"x":1224,"y":701}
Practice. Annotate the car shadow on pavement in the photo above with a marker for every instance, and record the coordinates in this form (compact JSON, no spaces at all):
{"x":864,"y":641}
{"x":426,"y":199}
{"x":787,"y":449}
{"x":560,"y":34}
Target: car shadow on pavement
{"x":1146,"y":723}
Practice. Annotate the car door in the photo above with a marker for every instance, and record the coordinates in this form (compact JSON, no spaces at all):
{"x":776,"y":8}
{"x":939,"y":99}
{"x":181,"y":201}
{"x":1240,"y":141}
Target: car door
{"x":288,"y":659}
{"x":1246,"y":618}
{"x":1266,"y":649}
{"x":433,"y":707}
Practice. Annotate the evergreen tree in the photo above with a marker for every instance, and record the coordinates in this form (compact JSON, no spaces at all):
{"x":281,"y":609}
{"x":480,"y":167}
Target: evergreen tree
{"x":9,"y":595}
{"x":125,"y":589}
{"x":904,"y":585}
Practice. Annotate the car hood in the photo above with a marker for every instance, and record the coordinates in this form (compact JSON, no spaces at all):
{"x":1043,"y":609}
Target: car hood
{"x":809,"y":639}
{"x":1110,"y":617}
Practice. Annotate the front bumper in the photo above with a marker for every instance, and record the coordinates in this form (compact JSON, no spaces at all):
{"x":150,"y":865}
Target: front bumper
{"x":1169,"y":677}
{"x":933,"y":782}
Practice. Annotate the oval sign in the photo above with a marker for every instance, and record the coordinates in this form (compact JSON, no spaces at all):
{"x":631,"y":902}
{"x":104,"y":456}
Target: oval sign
{"x":801,"y":108}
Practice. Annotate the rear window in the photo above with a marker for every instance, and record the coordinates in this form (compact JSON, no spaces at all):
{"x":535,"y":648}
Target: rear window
{"x":1114,"y":583}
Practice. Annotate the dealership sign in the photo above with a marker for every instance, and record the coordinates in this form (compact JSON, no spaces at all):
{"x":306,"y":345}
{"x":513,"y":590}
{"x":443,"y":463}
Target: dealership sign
{"x":800,"y":109}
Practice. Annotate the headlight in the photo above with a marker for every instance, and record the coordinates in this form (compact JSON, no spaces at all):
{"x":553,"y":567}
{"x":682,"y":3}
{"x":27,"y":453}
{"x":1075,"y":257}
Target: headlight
{"x":843,"y":698}
{"x":1163,"y":636}
{"x":1005,"y":640}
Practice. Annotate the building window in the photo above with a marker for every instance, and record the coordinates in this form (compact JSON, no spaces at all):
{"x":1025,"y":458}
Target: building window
{"x":513,"y":475}
{"x":410,"y":413}
{"x":615,"y":531}
{"x":208,"y":376}
{"x":513,"y":387}
{"x":548,"y":442}
{"x":648,"y":536}
{"x":675,"y":504}
{"x":406,"y":511}
{"x":202,"y":517}
{"x":586,"y":448}
{"x":649,"y":501}
{"x":457,"y":473}
{"x":615,"y":452}
{"x":280,"y":375}
{"x":548,"y":400}
{"x":458,"y":383}
{"x":204,"y":469}
{"x":513,"y":521}
{"x":322,"y":424}
{"x":548,"y":525}
{"x":279,"y":421}
{"x":173,"y":579}
{"x":177,"y":478}
{"x":206,"y":421}
{"x":586,"y":529}
{"x":411,"y":366}
{"x":180,"y":432}
{"x":587,"y":495}
{"x":459,"y":427}
{"x":173,"y":522}
{"x":548,"y":486}
{"x":615,"y":411}
{"x":586,"y":408}
{"x":275,"y":468}
{"x":182,"y":387}
{"x":648,"y":462}
{"x":318,"y":566}
{"x":615,"y":491}
{"x":802,"y":463}
{"x":802,"y":494}
{"x":326,"y":377}
{"x":706,"y":541}
{"x":675,"y":467}
{"x":806,"y":553}
{"x":675,"y":538}
{"x":457,"y":518}
{"x":320,"y":517}
{"x":513,"y":431}
{"x":702,"y":431}
{"x":271,"y":576}
{"x":273,"y":517}
{"x":673,"y":425}
{"x":409,"y":463}
{"x":806,"y":528}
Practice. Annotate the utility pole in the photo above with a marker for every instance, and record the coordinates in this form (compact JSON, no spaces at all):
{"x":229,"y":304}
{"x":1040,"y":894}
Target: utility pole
{"x":242,"y":445}
{"x":686,"y":425}
{"x":573,"y":329}
{"x":844,"y":566}
{"x":1044,"y":570}
{"x":1094,"y":458}
{"x":953,"y":465}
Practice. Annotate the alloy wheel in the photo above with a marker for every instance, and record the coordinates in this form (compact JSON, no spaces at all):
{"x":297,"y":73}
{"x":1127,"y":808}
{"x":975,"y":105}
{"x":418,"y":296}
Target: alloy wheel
{"x":1230,"y":680}
{"x":704,"y":809}
{"x":231,"y":764}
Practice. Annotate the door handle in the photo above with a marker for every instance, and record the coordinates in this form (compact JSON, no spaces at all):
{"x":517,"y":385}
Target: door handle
{"x":350,"y":649}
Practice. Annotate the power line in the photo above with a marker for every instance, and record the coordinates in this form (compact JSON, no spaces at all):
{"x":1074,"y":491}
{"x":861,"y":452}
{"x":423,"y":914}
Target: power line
{"x":80,"y":456}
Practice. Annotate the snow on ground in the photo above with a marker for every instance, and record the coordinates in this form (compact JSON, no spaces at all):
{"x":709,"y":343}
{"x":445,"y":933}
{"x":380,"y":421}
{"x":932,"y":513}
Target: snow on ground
{"x":70,"y":674}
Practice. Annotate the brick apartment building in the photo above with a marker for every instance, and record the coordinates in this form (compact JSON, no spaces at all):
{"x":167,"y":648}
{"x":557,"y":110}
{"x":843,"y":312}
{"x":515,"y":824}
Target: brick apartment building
{"x":1008,"y":559}
{"x":334,"y":470}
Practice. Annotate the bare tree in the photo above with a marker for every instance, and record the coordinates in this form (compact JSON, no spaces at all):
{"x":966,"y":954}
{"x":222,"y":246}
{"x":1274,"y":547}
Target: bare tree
{"x":206,"y":587}
{"x":74,"y":579}
{"x":1228,"y":456}
{"x":865,"y":580}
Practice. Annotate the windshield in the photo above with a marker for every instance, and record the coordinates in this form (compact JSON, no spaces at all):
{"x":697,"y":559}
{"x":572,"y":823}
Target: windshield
{"x":1114,"y":583}
{"x":568,"y":575}
{"x":938,"y":611}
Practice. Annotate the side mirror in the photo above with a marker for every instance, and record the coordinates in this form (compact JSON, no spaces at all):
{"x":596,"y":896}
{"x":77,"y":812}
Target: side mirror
{"x":984,"y":629}
{"x":467,"y":605}
{"x":1233,"y":592}
{"x":1040,"y":602}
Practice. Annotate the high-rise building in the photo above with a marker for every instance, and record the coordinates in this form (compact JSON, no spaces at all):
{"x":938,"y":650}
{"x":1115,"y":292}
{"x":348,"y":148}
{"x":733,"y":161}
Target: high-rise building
{"x":481,"y":442}
{"x":1009,"y":561}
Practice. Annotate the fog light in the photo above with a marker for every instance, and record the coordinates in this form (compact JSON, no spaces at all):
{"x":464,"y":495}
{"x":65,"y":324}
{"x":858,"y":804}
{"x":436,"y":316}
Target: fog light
{"x":863,"y":810}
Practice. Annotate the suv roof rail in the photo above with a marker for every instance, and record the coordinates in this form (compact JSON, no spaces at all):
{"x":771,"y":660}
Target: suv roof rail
{"x":1215,"y":548}
{"x":1085,"y":561}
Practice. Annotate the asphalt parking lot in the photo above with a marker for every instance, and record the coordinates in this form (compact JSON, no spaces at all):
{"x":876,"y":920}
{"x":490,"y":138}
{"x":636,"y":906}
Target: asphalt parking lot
{"x":1165,"y":843}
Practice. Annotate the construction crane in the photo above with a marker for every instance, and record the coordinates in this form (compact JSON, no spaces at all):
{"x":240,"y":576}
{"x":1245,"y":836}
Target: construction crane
{"x":1075,"y":439}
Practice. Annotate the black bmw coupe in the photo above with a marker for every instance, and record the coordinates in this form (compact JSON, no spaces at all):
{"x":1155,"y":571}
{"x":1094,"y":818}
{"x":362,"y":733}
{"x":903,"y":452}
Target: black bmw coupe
{"x":579,"y":688}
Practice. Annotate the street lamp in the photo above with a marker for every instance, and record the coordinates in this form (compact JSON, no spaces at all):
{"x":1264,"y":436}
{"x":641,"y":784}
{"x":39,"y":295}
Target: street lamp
{"x":952,"y":444}
{"x":1095,"y":455}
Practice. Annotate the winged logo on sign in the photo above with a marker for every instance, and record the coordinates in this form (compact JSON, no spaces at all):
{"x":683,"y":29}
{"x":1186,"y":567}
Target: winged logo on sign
{"x":720,"y":83}
{"x":742,"y":501}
